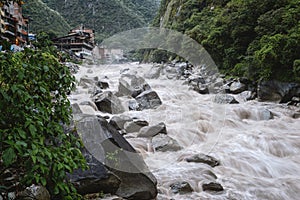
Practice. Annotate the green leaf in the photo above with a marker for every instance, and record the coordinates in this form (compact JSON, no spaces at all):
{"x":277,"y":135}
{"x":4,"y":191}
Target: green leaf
{"x":33,"y":159}
{"x":20,"y":75}
{"x":22,"y":133}
{"x":37,"y":178}
{"x":41,"y":160}
{"x":32,"y":129}
{"x":60,"y":166}
{"x":56,"y":189}
{"x":21,"y":143}
{"x":46,"y":68}
{"x":43,"y":90}
{"x":14,"y":88}
{"x":43,"y":181}
{"x":8,"y":156}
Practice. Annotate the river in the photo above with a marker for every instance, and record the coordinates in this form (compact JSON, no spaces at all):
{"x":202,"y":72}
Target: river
{"x":256,"y":143}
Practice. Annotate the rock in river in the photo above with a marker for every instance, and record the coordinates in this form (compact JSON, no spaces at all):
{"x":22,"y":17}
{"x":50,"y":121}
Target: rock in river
{"x":148,"y":100}
{"x":118,"y":168}
{"x":181,"y":187}
{"x":132,"y":85}
{"x":202,"y":158}
{"x":162,"y":142}
{"x":150,"y":131}
{"x":108,"y":102}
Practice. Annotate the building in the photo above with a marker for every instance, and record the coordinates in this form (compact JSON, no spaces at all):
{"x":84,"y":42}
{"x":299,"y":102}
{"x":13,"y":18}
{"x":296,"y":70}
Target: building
{"x":14,"y":26}
{"x":108,"y":54}
{"x":80,"y":40}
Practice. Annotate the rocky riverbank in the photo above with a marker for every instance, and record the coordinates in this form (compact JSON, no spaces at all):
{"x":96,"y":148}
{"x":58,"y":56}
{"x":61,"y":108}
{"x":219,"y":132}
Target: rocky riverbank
{"x":140,"y":104}
{"x":174,"y":131}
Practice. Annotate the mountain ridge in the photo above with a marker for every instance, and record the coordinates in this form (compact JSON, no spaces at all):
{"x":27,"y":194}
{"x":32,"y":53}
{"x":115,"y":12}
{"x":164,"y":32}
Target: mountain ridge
{"x":105,"y":17}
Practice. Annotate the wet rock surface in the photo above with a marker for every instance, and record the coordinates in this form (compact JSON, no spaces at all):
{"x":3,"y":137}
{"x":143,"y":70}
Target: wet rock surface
{"x":161,"y":150}
{"x":135,"y":125}
{"x":225,"y":99}
{"x":108,"y":102}
{"x":237,"y":87}
{"x":212,"y":186}
{"x":202,"y":158}
{"x":119,"y":121}
{"x":148,"y":100}
{"x":114,"y":165}
{"x":277,"y":91}
{"x":95,"y":179}
{"x":181,"y":187}
{"x":34,"y":192}
{"x":150,"y":131}
{"x":162,"y":142}
{"x":132,"y":85}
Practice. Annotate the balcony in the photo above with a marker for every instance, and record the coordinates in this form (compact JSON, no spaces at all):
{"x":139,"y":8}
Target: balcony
{"x":10,"y":33}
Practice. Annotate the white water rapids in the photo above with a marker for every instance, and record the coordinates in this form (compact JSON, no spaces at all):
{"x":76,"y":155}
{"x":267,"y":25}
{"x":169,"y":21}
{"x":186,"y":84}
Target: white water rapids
{"x":259,"y":157}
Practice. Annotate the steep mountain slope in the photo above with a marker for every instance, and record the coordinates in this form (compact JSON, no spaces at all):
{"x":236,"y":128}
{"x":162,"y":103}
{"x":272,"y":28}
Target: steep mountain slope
{"x":106,"y":17}
{"x":257,"y":39}
{"x":42,"y":18}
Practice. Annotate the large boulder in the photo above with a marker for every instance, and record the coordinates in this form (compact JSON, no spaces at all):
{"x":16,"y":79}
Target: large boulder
{"x":103,"y":84}
{"x":150,"y":131}
{"x":34,"y":192}
{"x":276,"y":91}
{"x":76,"y":108}
{"x":119,"y":121}
{"x":181,"y":67}
{"x":108,"y":102}
{"x":163,"y":142}
{"x":132,"y":85}
{"x":90,"y":104}
{"x":95,"y":179}
{"x":181,"y":187}
{"x":133,"y":105}
{"x":224,"y":99}
{"x":202,"y":158}
{"x":154,"y":72}
{"x":111,"y":149}
{"x":135,"y":125}
{"x":87,"y":82}
{"x":148,"y":100}
{"x":212,"y":186}
{"x":246,"y":96}
{"x":237,"y":87}
{"x":197,"y":83}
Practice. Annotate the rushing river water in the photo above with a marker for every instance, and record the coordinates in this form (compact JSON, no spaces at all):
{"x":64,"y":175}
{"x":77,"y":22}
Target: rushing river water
{"x":259,"y":157}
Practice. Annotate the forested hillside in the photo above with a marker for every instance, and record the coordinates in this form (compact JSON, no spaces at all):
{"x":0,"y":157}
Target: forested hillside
{"x":105,"y":17}
{"x":42,"y":18}
{"x":257,"y":39}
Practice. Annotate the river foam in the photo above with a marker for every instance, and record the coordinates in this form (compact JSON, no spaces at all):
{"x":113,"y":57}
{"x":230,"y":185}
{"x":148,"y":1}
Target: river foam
{"x":257,"y":144}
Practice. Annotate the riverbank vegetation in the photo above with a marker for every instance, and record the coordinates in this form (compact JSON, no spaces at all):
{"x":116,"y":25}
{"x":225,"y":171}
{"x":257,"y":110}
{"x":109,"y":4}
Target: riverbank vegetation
{"x":256,"y":39}
{"x":35,"y":146}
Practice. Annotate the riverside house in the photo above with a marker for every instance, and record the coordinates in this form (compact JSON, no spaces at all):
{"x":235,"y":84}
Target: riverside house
{"x":79,"y":40}
{"x":13,"y":25}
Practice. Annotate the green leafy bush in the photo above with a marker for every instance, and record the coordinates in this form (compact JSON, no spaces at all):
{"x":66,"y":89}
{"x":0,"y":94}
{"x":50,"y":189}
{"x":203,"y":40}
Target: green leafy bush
{"x":256,"y":38}
{"x":34,"y":107}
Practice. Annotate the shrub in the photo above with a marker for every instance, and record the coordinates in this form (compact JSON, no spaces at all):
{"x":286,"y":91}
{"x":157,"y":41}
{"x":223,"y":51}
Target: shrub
{"x":34,"y":107}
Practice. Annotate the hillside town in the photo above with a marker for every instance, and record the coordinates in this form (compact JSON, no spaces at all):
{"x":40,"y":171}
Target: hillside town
{"x":14,"y":25}
{"x":79,"y":41}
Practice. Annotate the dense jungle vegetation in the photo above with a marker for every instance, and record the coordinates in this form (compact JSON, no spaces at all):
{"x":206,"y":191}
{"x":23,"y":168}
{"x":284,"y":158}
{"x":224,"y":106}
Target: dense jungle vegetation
{"x":256,"y":39}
